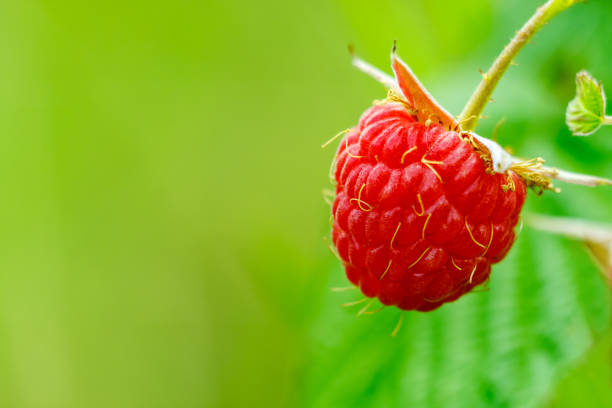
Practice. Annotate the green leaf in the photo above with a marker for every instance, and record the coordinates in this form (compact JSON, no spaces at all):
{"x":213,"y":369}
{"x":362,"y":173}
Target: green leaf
{"x":505,"y":347}
{"x":593,"y":375}
{"x":587,"y":111}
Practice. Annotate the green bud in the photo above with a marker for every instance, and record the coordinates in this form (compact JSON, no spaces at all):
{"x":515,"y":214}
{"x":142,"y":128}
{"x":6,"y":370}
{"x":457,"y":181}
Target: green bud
{"x":587,"y":111}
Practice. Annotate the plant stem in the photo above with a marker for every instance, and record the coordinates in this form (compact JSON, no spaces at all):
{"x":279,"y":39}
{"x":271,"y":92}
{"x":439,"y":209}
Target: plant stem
{"x":574,"y":178}
{"x":596,"y":238}
{"x":607,"y":120}
{"x":474,"y":107}
{"x":571,"y":227}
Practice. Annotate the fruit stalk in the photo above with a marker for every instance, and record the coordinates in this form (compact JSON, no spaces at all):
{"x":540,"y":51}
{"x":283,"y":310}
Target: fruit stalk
{"x":574,"y":178}
{"x":481,"y":96}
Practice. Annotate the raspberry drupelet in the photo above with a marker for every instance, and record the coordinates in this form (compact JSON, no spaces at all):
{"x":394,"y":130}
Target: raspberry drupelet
{"x":419,"y":217}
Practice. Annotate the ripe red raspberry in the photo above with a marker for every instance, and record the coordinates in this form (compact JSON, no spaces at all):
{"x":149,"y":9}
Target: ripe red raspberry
{"x":418,"y":216}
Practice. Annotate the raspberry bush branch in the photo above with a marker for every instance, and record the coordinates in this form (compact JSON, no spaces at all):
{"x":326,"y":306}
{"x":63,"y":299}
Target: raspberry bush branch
{"x":474,"y":107}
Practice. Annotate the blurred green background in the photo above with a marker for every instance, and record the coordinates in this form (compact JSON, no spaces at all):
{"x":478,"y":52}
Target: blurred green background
{"x":162,"y":215}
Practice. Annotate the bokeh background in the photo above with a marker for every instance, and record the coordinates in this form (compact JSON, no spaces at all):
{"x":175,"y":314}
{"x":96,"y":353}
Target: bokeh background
{"x":162,"y":216}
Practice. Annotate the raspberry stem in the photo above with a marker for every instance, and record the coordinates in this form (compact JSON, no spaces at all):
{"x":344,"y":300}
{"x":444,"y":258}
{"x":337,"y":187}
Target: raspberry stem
{"x":597,"y":238}
{"x":481,"y":96}
{"x":571,"y":227}
{"x":574,"y":178}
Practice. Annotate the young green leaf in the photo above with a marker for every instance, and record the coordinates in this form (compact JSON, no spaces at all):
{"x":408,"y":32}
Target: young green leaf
{"x":587,"y":111}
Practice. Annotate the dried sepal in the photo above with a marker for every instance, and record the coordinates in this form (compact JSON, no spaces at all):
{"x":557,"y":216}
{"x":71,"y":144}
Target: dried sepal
{"x":419,"y":99}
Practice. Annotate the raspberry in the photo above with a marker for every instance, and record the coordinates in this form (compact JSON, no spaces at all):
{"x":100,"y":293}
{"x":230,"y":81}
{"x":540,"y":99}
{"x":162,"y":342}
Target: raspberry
{"x":419,"y":217}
